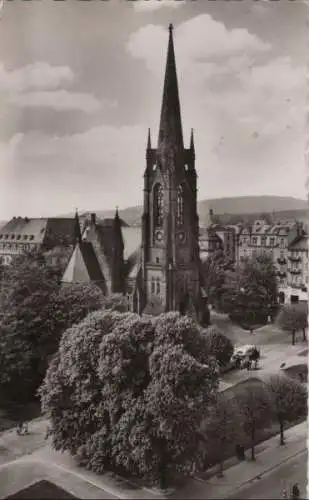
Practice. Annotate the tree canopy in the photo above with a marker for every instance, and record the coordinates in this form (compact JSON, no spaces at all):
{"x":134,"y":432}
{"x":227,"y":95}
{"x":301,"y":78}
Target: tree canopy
{"x":293,"y":318}
{"x":289,"y":399}
{"x":214,"y":275}
{"x":129,"y":392}
{"x":254,"y":297}
{"x":35,"y":311}
{"x":219,"y":345}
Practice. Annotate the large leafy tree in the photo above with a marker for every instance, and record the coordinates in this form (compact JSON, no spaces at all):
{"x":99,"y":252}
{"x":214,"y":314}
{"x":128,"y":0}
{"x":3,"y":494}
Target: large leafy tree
{"x":256,"y":410}
{"x":254,"y":297}
{"x":293,"y":318}
{"x":289,"y":400}
{"x":223,"y":428}
{"x":129,"y":392}
{"x":35,"y":312}
{"x":214,"y":270}
{"x":219,"y":345}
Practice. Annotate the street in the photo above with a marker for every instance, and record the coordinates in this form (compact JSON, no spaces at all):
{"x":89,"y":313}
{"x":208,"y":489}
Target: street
{"x":271,"y":484}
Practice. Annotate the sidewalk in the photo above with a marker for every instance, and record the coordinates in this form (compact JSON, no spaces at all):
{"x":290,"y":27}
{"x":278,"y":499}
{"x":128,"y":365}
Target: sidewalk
{"x":37,"y":459}
{"x":237,"y":476}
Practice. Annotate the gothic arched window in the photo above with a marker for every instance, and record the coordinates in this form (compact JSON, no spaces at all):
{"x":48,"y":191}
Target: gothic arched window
{"x":158,"y":205}
{"x":179,"y":214}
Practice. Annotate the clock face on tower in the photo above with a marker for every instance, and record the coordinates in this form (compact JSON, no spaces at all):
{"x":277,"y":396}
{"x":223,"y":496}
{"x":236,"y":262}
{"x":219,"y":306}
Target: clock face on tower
{"x":181,"y":236}
{"x":158,"y":236}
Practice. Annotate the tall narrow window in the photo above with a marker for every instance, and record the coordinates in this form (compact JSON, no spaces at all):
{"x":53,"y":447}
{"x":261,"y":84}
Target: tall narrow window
{"x":158,"y":286}
{"x":158,"y":205}
{"x":152,"y":285}
{"x":179,"y":214}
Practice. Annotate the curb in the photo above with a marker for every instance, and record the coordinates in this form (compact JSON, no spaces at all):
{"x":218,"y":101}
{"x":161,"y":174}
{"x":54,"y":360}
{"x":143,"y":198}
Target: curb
{"x":261,"y":474}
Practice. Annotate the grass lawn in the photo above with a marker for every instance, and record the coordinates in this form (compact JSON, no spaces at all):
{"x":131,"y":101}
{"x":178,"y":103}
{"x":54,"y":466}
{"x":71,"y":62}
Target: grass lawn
{"x":42,"y":489}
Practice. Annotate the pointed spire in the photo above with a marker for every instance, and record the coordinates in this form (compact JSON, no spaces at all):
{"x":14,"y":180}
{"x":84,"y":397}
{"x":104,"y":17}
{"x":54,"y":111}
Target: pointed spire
{"x":77,"y":231}
{"x":192,"y":140}
{"x":116,"y":213}
{"x":149,"y":140}
{"x":170,"y":130}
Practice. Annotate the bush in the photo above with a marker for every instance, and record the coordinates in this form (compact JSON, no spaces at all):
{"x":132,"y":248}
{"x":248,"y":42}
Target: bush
{"x":219,"y":345}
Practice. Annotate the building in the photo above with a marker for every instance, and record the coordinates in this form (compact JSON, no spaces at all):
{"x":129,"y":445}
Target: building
{"x":23,"y":234}
{"x":297,"y":270}
{"x":277,"y":241}
{"x":161,"y":272}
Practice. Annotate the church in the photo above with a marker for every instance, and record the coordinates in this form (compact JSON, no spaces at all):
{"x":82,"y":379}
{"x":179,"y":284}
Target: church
{"x":156,"y":266}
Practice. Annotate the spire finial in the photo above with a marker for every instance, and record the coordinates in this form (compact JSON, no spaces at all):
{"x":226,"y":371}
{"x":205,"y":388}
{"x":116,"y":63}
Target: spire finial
{"x":149,"y":140}
{"x":77,"y":231}
{"x":170,"y":27}
{"x":192,"y":139}
{"x":117,"y":213}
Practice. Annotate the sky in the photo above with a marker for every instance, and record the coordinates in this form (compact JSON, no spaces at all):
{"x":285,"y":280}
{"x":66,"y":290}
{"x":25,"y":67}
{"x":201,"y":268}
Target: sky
{"x":81,"y":82}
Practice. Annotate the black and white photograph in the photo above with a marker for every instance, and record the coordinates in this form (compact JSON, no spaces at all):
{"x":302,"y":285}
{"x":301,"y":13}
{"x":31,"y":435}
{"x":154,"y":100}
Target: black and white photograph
{"x":154,"y":239}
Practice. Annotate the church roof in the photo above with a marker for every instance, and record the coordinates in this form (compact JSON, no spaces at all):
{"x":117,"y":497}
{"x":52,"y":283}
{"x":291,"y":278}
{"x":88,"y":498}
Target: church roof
{"x":83,"y":266}
{"x":132,"y":238}
{"x":170,"y":130}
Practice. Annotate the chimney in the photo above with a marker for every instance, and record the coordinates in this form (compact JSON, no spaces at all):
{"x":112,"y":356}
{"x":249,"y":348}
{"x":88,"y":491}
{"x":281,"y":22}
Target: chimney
{"x":93,"y":218}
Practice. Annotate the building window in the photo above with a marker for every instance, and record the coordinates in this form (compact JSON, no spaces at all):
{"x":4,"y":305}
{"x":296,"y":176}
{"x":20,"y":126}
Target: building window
{"x":158,"y":205}
{"x":254,"y":241}
{"x":158,"y":286}
{"x":282,"y":242}
{"x":263,"y":241}
{"x":272,"y":242}
{"x":179,"y":215}
{"x":153,"y":285}
{"x":157,"y":260}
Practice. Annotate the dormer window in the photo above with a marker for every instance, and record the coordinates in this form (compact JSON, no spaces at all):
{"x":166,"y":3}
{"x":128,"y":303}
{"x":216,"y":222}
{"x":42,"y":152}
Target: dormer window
{"x":12,"y":236}
{"x":31,"y":237}
{"x":25,"y":237}
{"x":18,"y":237}
{"x":6,"y":236}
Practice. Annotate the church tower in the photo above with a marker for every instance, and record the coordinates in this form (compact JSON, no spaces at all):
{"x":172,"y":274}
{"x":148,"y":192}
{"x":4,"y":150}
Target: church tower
{"x":170,"y":227}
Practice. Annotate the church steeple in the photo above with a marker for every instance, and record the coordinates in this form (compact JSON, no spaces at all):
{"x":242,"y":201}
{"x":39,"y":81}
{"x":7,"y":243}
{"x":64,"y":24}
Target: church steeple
{"x":149,"y":140}
{"x":192,"y":147}
{"x":170,"y":131}
{"x":77,"y":231}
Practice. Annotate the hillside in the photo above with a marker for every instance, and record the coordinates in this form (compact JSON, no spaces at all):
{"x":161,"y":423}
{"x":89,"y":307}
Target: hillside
{"x":245,"y":205}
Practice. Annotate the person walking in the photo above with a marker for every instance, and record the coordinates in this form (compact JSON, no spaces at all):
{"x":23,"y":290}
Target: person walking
{"x":295,"y":492}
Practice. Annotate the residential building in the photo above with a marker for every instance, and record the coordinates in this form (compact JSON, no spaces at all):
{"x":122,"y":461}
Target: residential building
{"x":23,"y":234}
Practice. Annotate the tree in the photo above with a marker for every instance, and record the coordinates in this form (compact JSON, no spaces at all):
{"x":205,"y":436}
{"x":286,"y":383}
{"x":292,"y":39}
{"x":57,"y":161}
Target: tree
{"x":292,"y":318}
{"x":223,"y":428}
{"x":213,"y":271}
{"x":127,"y":392}
{"x":35,"y":312}
{"x":289,"y":399}
{"x":255,"y":405}
{"x":219,"y":345}
{"x":254,"y":297}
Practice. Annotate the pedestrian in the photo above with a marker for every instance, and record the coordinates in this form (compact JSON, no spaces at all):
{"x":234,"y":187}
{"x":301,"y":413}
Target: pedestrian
{"x":20,"y":428}
{"x":284,"y":493}
{"x":295,"y":492}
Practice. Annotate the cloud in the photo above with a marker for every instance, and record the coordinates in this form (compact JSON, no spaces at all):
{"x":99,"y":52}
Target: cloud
{"x":201,"y":39}
{"x":37,"y":76}
{"x":40,"y":85}
{"x":59,"y":100}
{"x":151,"y":5}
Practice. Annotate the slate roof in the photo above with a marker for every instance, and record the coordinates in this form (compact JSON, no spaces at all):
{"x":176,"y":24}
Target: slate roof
{"x":132,"y":239}
{"x":44,"y":231}
{"x":300,"y":243}
{"x":83,"y":266}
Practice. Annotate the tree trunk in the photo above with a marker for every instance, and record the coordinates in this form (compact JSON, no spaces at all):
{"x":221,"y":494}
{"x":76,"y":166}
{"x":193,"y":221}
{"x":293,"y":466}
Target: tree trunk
{"x":252,"y":444}
{"x":304,"y":335}
{"x":293,"y":337}
{"x":220,"y":471}
{"x":281,"y":432}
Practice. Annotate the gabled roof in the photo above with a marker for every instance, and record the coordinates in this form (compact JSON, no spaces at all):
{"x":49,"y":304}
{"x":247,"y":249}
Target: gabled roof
{"x":300,"y":243}
{"x":83,"y":266}
{"x":47,"y":231}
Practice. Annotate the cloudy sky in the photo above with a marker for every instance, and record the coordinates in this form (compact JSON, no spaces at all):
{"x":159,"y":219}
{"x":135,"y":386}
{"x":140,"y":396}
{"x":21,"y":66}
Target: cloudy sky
{"x":81,"y":82}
